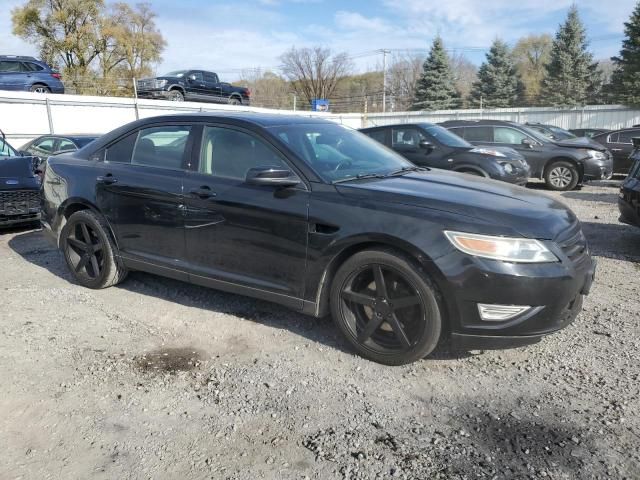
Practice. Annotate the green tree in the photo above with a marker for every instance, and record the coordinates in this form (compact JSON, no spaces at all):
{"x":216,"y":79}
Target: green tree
{"x":572,"y":77}
{"x":531,"y":56}
{"x":435,"y":89}
{"x":498,"y":84}
{"x":625,"y":84}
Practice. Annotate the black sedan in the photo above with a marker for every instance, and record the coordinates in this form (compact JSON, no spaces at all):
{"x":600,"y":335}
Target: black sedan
{"x":322,"y":219}
{"x":620,"y":143}
{"x":629,"y":201}
{"x":47,"y":145}
{"x":429,"y":145}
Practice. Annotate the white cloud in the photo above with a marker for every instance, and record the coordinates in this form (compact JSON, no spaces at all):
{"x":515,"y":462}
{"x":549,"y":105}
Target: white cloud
{"x":356,"y":21}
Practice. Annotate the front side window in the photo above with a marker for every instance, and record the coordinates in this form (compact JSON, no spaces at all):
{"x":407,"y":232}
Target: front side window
{"x":338,"y":153}
{"x":66,"y":145}
{"x":478,"y":134}
{"x":197,"y":75}
{"x":45,"y":145}
{"x":626,"y":137}
{"x":405,"y":137}
{"x":162,"y":147}
{"x":508,"y":135}
{"x":230,"y":153}
{"x":10,"y":67}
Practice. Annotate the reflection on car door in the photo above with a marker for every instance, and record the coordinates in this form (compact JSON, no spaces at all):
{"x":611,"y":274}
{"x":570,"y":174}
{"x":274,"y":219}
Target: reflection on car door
{"x":139,"y":190}
{"x":244,"y":234}
{"x":11,"y":76}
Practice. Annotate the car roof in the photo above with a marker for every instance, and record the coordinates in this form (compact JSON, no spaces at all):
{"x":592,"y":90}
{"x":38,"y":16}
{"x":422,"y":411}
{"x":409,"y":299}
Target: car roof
{"x":18,"y":57}
{"x":470,"y":123}
{"x":396,"y":125}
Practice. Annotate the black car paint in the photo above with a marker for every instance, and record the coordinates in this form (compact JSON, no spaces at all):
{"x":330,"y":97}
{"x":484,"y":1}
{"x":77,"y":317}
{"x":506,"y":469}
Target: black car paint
{"x":456,"y":158}
{"x":629,"y":198}
{"x":541,"y":151}
{"x":19,"y":191}
{"x":206,"y":88}
{"x":284,"y":244}
{"x":620,"y":143}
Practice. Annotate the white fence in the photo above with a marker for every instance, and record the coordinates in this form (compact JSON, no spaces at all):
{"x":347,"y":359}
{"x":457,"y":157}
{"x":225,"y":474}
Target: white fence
{"x":24,"y":115}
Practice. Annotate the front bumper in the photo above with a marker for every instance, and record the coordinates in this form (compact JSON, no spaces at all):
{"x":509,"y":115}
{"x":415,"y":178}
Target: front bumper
{"x":598,"y":169}
{"x":555,"y":292}
{"x":10,"y":220}
{"x":162,"y":94}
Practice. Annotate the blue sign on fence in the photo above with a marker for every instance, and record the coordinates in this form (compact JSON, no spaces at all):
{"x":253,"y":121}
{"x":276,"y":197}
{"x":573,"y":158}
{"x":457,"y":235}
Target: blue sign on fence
{"x":320,"y":105}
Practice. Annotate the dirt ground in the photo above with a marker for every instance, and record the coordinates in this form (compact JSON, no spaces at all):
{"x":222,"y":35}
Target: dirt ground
{"x":159,"y":379}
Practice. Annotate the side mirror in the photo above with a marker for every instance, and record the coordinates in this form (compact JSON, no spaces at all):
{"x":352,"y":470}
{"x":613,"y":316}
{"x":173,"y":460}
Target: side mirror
{"x":426,"y":145}
{"x":528,"y":142}
{"x":271,"y":176}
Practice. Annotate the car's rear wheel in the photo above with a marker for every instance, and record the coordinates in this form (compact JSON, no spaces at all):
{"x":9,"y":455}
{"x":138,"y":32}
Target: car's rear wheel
{"x":386,"y":307}
{"x":176,"y":96}
{"x":89,"y":251}
{"x":39,"y":88}
{"x":234,"y":101}
{"x":561,"y":175}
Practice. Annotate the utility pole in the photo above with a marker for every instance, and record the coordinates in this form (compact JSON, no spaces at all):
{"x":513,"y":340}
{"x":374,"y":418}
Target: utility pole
{"x":384,"y":79}
{"x":295,"y":102}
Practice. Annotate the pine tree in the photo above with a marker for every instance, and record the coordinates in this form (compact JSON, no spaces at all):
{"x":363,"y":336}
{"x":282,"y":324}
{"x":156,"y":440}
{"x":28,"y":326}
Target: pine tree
{"x":435,"y":89}
{"x":625,"y":84}
{"x":573,"y":77}
{"x":498,"y":84}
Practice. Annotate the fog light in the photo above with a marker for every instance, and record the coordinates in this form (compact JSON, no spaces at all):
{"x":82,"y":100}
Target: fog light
{"x":498,"y":313}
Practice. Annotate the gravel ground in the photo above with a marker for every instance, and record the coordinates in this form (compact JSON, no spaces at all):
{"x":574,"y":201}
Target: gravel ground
{"x":160,"y":379}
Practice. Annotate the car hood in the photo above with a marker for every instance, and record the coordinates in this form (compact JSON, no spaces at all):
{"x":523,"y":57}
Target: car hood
{"x":494,"y":207}
{"x":16,"y":167}
{"x":581,"y":142}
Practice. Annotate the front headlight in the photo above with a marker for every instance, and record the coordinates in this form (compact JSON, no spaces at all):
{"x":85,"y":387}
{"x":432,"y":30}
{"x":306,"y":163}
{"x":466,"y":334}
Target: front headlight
{"x":487,"y":151}
{"x":517,"y":250}
{"x":595,"y":154}
{"x":508,"y":168}
{"x":160,"y":83}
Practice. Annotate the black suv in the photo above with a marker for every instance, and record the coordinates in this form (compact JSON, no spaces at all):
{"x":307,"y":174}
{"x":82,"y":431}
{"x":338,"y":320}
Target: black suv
{"x":629,"y":201}
{"x":620,"y":143}
{"x":429,"y":145}
{"x":321,"y":218}
{"x":562,"y":164}
{"x":19,"y":187}
{"x":193,"y":85}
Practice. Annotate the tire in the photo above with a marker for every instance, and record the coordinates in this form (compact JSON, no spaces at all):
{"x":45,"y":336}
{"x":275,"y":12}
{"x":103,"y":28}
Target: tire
{"x":40,"y":88}
{"x":398,"y":334}
{"x":234,"y":101}
{"x":97,"y":266}
{"x":176,"y":96}
{"x":561,"y":176}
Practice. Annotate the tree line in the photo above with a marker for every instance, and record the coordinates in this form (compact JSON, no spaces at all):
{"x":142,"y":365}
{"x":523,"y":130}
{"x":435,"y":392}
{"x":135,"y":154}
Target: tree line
{"x":101,"y":47}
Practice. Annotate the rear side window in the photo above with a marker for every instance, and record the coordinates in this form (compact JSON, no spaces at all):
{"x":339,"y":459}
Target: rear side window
{"x":44,"y":145}
{"x":31,"y":67}
{"x":210,"y":77}
{"x":66,"y":145}
{"x":378,"y":135}
{"x":625,"y":137}
{"x":478,"y":134}
{"x":120,"y":152}
{"x":162,"y":147}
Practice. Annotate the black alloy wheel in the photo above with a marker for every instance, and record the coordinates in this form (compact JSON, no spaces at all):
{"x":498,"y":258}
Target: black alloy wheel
{"x":90,"y":252}
{"x":386,"y":308}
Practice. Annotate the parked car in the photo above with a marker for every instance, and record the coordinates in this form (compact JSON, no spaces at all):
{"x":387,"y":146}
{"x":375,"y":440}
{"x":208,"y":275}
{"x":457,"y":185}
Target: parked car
{"x":321,"y":218}
{"x":551,"y":131}
{"x":588,"y":132}
{"x":28,"y":74}
{"x":194,"y":85}
{"x":620,"y":143}
{"x":562,"y":164}
{"x":629,"y":200}
{"x":47,"y":145}
{"x":19,"y":187}
{"x":429,"y":145}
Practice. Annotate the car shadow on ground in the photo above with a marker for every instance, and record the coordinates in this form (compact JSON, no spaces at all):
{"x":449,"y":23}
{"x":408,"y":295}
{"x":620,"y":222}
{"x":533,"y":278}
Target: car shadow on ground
{"x":613,"y":240}
{"x":35,"y":248}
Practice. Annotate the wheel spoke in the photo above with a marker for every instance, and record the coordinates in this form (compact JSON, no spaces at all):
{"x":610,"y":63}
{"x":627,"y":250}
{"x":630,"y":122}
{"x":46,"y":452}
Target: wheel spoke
{"x":95,"y":266}
{"x":371,"y":326}
{"x":404,"y":302}
{"x":381,"y":286}
{"x":82,"y":263}
{"x":85,"y":234}
{"x":77,"y":244}
{"x":360,"y":298}
{"x":399,"y":331}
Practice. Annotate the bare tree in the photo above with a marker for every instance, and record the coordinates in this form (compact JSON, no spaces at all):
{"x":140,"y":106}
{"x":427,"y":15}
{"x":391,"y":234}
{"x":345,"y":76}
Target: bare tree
{"x":465,"y":73}
{"x":267,"y":89}
{"x":404,"y":71}
{"x":314,"y":72}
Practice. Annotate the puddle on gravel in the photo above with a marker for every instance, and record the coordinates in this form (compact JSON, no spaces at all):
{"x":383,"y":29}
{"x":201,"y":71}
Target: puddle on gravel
{"x":170,"y":360}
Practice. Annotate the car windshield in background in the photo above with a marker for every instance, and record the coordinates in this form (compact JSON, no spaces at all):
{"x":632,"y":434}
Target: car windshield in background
{"x":83,"y":141}
{"x":337,"y":153}
{"x":176,"y":73}
{"x":446,"y":137}
{"x":561,"y":133}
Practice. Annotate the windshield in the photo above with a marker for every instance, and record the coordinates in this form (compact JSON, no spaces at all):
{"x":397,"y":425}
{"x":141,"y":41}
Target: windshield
{"x":176,"y":73}
{"x":561,"y":133}
{"x":6,"y":150}
{"x":446,"y":137}
{"x":338,"y":153}
{"x":535,"y":134}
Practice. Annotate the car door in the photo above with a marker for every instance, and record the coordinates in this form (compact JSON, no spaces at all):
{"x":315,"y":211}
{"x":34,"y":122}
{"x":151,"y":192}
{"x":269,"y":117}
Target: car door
{"x":532,"y":150}
{"x":621,"y":147}
{"x":406,"y":141}
{"x":249,"y":235}
{"x":195,"y":88}
{"x":212,"y":87}
{"x":12,"y":76}
{"x":139,"y":190}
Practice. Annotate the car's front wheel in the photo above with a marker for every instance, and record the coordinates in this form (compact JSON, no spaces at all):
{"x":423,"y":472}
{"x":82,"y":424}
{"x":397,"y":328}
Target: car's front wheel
{"x":176,"y":96}
{"x":561,"y":175}
{"x":386,"y":307}
{"x":90,"y":252}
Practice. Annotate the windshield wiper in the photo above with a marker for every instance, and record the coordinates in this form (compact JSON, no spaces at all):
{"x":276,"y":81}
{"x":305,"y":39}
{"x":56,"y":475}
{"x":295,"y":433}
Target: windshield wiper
{"x":360,"y":176}
{"x":404,"y":170}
